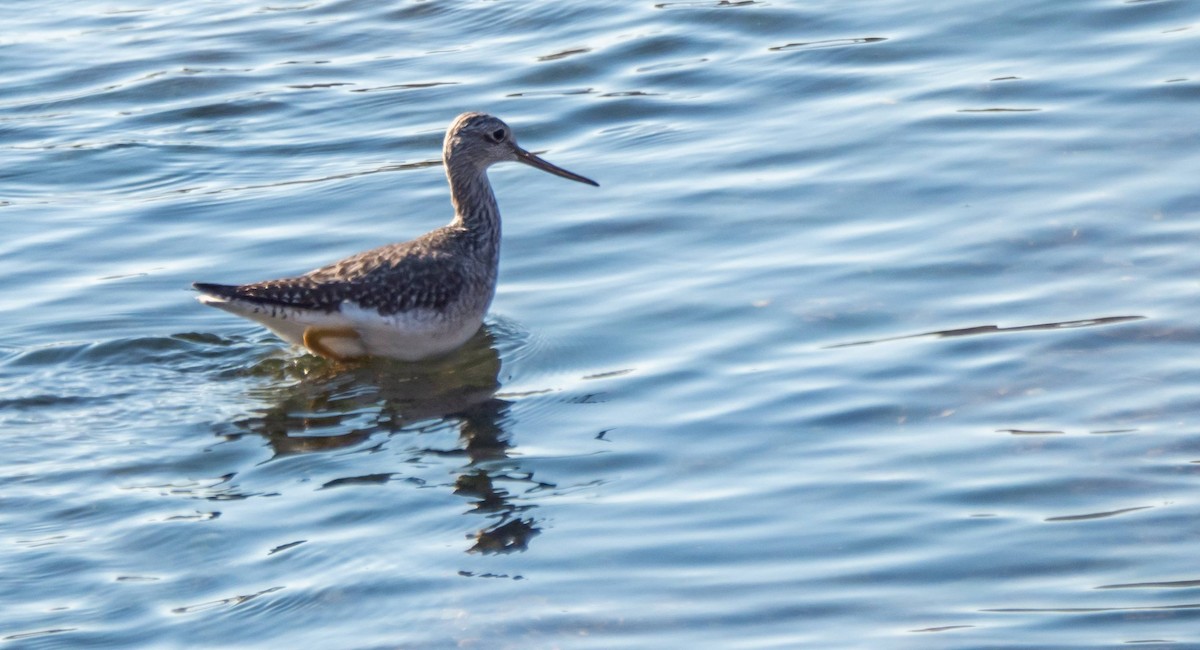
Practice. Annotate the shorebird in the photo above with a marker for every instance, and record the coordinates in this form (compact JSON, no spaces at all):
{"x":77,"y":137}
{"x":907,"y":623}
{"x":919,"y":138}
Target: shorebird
{"x":411,"y":300}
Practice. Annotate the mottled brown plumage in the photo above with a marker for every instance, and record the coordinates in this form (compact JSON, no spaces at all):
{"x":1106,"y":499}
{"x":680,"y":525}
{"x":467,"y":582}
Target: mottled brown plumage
{"x":408,"y":300}
{"x":421,"y":273}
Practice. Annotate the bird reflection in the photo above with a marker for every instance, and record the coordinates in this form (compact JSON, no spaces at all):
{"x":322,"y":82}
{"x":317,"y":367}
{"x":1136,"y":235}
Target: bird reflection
{"x":485,"y":441}
{"x":329,"y":407}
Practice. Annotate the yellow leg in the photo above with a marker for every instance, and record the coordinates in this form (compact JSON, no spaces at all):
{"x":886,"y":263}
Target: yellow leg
{"x":337,"y":343}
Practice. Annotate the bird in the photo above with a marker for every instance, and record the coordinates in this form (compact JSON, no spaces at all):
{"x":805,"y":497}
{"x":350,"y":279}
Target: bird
{"x":411,"y":300}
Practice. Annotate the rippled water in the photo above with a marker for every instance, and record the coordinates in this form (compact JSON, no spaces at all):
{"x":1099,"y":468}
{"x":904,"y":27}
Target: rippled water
{"x":879,"y":331}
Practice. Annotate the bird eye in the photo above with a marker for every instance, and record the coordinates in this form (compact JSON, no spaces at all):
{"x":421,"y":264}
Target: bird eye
{"x":498,"y":135}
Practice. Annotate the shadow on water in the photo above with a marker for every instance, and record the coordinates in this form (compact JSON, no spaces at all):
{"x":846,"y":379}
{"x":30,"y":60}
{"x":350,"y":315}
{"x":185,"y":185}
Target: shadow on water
{"x":335,"y":407}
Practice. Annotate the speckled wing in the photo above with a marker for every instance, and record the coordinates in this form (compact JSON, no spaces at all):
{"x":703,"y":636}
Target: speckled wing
{"x":390,"y":279}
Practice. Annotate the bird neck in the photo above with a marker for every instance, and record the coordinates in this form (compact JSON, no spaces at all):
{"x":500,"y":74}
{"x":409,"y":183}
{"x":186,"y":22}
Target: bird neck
{"x":475,"y":208}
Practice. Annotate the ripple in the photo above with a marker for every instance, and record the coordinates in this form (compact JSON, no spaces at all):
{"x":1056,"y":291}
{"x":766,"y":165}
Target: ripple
{"x":996,"y":329}
{"x":232,"y":601}
{"x":831,"y":43}
{"x":565,"y":92}
{"x":670,"y":65}
{"x":38,"y":633}
{"x":284,"y":184}
{"x":284,"y":547}
{"x":313,"y":86}
{"x":564,"y":54}
{"x":1031,"y":432}
{"x":1169,"y":584}
{"x":710,"y":3}
{"x":1090,"y":610}
{"x":407,"y":86}
{"x":366,"y":479}
{"x":999,"y":110}
{"x":943,"y":628}
{"x":630,"y":93}
{"x":1097,"y":515}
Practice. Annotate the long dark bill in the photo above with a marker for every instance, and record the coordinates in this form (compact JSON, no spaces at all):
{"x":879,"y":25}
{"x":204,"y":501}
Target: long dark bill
{"x":534,"y":161}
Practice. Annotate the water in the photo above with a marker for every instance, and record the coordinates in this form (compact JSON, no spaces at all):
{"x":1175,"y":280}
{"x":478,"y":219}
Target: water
{"x":880,"y":331}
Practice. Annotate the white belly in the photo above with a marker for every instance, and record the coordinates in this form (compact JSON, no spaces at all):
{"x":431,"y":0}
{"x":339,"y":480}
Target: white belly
{"x":356,"y":332}
{"x":411,"y":335}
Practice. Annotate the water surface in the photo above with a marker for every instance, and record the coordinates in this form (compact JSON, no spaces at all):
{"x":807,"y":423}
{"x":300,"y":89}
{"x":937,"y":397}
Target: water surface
{"x":879,"y":331}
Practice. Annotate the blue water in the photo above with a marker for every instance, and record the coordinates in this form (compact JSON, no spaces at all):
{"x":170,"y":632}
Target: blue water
{"x":879,"y":332}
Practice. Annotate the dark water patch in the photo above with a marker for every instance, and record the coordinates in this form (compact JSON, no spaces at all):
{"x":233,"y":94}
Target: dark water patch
{"x":39,"y":633}
{"x":284,"y":547}
{"x":232,"y":601}
{"x":214,"y":113}
{"x":407,"y":86}
{"x":564,"y":54}
{"x":320,"y":86}
{"x":670,"y":65}
{"x":1089,"y":610}
{"x":629,"y":93}
{"x":470,"y":574}
{"x":1097,"y":515}
{"x":830,"y":43}
{"x":996,"y":329}
{"x":366,"y":479}
{"x":1031,"y":432}
{"x":1170,"y":584}
{"x":999,"y":110}
{"x":720,"y":4}
{"x":45,"y":401}
{"x":197,"y":516}
{"x":608,"y":374}
{"x":554,"y":93}
{"x":49,"y":540}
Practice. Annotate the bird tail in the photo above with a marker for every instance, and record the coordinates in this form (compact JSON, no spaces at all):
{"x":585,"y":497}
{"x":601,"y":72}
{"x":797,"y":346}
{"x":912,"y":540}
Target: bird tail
{"x":217,"y":291}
